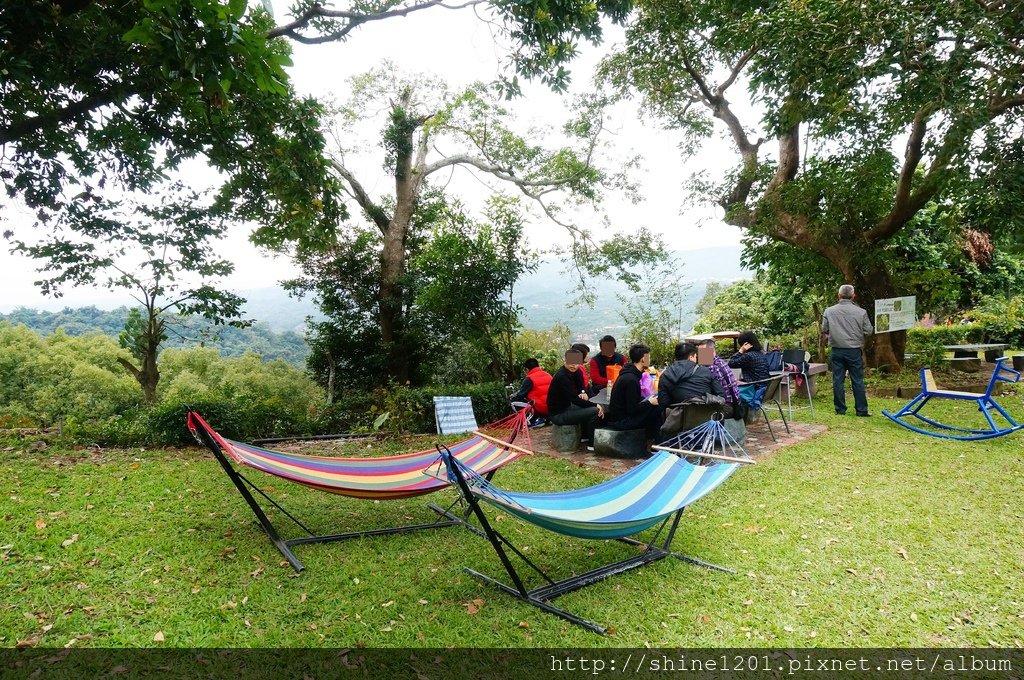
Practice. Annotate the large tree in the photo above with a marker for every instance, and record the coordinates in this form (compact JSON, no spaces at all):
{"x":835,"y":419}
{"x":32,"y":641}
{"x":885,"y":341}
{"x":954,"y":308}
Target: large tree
{"x":867,"y":110}
{"x":430,"y":131}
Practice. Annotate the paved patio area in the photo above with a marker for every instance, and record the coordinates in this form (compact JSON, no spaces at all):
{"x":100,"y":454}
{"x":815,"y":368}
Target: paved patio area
{"x":758,"y":444}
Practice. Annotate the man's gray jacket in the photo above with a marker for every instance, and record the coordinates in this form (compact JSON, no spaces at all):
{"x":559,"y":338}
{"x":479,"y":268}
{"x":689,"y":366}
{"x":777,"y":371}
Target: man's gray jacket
{"x":846,"y":325}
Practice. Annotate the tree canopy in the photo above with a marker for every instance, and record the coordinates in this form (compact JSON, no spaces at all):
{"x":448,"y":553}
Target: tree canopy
{"x":874,"y":108}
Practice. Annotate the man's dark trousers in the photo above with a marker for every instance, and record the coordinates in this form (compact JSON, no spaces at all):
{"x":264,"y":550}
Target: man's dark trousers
{"x":843,"y":360}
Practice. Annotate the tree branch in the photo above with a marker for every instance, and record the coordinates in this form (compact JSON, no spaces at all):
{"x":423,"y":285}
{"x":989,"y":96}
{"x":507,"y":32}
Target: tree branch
{"x":22,"y":128}
{"x":372,"y":210}
{"x":1001,"y":105}
{"x":355,"y":19}
{"x":136,"y":373}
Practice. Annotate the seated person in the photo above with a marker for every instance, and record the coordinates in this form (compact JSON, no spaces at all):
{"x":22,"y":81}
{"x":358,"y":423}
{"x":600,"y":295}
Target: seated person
{"x":686,"y":379}
{"x":753,"y":363}
{"x":627,"y":408}
{"x":534,"y":390}
{"x":725,"y":378}
{"x":602,"y":360}
{"x":585,"y":350}
{"x":568,"y":401}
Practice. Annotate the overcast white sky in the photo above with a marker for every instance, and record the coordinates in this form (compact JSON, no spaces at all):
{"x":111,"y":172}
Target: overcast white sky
{"x":460,"y":48}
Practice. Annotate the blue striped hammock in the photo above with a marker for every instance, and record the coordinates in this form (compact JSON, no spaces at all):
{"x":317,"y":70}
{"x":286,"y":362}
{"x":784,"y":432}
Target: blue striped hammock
{"x":623,"y":506}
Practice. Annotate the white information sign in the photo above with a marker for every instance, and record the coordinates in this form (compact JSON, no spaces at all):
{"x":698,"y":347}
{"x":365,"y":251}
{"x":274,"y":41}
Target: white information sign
{"x":895,"y":314}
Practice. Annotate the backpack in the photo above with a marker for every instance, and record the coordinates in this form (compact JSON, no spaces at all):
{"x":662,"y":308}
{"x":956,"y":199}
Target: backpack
{"x":774,"y":358}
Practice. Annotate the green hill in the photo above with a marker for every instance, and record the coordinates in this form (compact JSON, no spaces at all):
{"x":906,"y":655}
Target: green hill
{"x":260,"y":337}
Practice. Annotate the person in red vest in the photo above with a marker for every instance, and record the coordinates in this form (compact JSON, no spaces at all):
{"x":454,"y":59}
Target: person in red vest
{"x":602,"y":360}
{"x":535,"y":390}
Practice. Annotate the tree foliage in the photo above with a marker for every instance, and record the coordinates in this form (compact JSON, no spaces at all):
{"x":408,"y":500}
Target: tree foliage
{"x":430,"y":131}
{"x":159,"y":252}
{"x":98,"y":96}
{"x":839,"y":85}
{"x":230,"y":341}
{"x":458,"y":313}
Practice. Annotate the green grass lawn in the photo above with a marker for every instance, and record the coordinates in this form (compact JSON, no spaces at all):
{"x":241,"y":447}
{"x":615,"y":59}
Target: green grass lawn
{"x":868,"y":535}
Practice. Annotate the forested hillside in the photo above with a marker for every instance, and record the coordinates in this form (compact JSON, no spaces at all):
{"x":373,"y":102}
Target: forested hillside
{"x":232,"y":342}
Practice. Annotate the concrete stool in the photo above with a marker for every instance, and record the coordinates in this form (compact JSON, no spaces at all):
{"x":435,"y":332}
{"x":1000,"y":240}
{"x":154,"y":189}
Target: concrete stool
{"x":737,"y":429}
{"x":620,"y":443}
{"x":566,"y":438}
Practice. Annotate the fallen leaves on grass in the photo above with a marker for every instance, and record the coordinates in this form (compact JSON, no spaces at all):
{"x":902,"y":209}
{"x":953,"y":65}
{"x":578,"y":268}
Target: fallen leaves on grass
{"x":473,"y":606}
{"x":69,"y":541}
{"x":903,"y":553}
{"x":40,"y":524}
{"x":159,"y":637}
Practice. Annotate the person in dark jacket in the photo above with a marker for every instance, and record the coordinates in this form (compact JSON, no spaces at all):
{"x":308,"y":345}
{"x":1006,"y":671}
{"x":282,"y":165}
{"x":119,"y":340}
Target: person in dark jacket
{"x":686,"y":379}
{"x":568,"y":402}
{"x":584,"y":372}
{"x":753,"y":363}
{"x":627,"y":408}
{"x":602,"y":360}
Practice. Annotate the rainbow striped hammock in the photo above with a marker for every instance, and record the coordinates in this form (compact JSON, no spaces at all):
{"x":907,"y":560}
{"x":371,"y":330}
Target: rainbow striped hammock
{"x":654,"y":493}
{"x":383,"y":478}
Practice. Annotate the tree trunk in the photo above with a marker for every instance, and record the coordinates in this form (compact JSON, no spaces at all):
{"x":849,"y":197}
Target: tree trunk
{"x":885,"y":351}
{"x":332,"y":369}
{"x":392,"y":266}
{"x":148,"y":376}
{"x":408,"y":178}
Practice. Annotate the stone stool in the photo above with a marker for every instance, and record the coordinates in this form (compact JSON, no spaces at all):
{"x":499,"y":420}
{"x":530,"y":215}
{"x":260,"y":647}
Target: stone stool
{"x":620,"y":443}
{"x":736,"y":428}
{"x":566,"y":438}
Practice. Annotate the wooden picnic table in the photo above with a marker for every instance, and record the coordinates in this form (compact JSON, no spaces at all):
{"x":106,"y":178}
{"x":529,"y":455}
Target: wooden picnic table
{"x":717,"y":336}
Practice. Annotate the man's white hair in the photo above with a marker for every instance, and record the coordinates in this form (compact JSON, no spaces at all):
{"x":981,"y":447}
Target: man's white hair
{"x":846,"y":291}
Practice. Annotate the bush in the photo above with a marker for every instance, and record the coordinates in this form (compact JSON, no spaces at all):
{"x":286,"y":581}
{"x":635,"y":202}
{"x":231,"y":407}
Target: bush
{"x":408,"y":409}
{"x":957,"y":334}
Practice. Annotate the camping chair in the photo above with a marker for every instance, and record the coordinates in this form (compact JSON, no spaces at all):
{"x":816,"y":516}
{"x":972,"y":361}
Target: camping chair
{"x":383,"y":478}
{"x":769,"y":394}
{"x":986,"y":404}
{"x":454,"y":415}
{"x":653,"y":494}
{"x":798,"y":358}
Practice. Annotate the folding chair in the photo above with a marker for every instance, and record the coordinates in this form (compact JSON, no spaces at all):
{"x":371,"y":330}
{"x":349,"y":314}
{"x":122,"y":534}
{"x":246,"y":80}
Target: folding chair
{"x":770,"y":393}
{"x":454,"y":415}
{"x":798,"y":358}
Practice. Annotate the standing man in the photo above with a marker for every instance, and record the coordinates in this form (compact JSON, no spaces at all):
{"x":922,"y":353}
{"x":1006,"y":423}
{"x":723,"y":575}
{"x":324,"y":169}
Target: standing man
{"x":845,"y":325}
{"x":627,"y":408}
{"x":568,"y":402}
{"x":602,"y":360}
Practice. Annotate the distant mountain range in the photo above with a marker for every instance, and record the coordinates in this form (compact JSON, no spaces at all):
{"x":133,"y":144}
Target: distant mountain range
{"x":546,"y":295}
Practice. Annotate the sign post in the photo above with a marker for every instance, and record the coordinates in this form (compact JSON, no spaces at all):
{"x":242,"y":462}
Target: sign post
{"x":895,"y":314}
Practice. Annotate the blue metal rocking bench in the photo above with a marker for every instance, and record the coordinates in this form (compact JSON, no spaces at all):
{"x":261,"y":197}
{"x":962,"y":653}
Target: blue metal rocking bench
{"x":986,"y":404}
